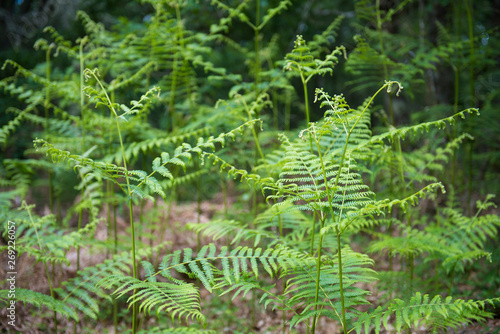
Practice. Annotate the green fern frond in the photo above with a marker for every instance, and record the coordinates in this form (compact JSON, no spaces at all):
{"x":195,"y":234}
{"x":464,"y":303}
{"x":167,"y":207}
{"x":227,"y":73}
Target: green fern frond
{"x":235,"y":263}
{"x":82,"y":292}
{"x":319,"y":42}
{"x":302,"y":287}
{"x":41,"y":238}
{"x":236,"y":231}
{"x":303,"y":179}
{"x":301,"y":62}
{"x":402,"y":132}
{"x":271,"y":12}
{"x":180,"y":300}
{"x":10,"y":127}
{"x":39,"y":299}
{"x":133,"y":150}
{"x":434,"y":313}
{"x":412,"y":244}
{"x":93,"y":29}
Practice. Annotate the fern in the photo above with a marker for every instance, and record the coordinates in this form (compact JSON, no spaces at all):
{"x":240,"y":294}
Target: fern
{"x":234,"y":262}
{"x":39,"y":300}
{"x":180,"y":300}
{"x":434,"y":313}
{"x":302,"y":287}
{"x":82,"y":292}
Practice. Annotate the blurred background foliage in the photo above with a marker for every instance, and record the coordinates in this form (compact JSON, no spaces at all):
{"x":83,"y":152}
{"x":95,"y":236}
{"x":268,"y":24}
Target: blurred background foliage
{"x":424,"y":44}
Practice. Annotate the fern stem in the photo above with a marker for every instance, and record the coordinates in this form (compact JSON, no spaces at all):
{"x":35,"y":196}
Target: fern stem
{"x":382,"y":52}
{"x":115,"y":225}
{"x":130,"y":202}
{"x":79,"y":227}
{"x":47,"y":126}
{"x":330,"y":205}
{"x":318,"y":272}
{"x":288,"y":107}
{"x":257,"y":53}
{"x":256,"y":140}
{"x":341,"y":281}
{"x":468,"y":10}
{"x":258,"y":149}
{"x":451,"y":278}
{"x":108,"y":216}
{"x":313,"y":233}
{"x":320,"y":243}
{"x":306,"y":99}
{"x":198,"y":207}
{"x":82,"y":96}
{"x":224,"y":196}
{"x":456,"y":90}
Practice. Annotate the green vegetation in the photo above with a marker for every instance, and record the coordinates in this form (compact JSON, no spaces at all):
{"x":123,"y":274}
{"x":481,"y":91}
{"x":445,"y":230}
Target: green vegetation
{"x":348,"y":152}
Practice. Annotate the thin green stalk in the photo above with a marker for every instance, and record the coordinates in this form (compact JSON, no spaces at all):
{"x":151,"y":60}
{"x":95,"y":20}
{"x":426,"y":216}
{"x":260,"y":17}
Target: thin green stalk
{"x":198,"y":206}
{"x":275,"y":111}
{"x":457,"y":5}
{"x":174,"y":74}
{"x":451,"y":278}
{"x":82,"y":96}
{"x":185,"y":63}
{"x":79,"y":227}
{"x":283,"y":282}
{"x":313,"y":233}
{"x":47,"y":127}
{"x":224,"y":195}
{"x":258,"y":149}
{"x":257,"y":51}
{"x":306,"y":99}
{"x":115,"y":226}
{"x":388,"y":84}
{"x":469,"y":9}
{"x":382,"y":52}
{"x":288,"y":110}
{"x":318,"y":271}
{"x":108,"y":214}
{"x":411,"y":260}
{"x":320,"y":244}
{"x":129,"y":194}
{"x":82,"y":116}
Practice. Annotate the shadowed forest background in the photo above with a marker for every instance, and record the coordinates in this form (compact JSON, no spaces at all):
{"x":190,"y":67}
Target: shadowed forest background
{"x":251,"y":166}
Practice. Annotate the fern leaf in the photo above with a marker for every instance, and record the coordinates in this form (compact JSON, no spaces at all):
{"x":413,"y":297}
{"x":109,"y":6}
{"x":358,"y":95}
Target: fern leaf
{"x":434,"y":313}
{"x":178,"y":300}
{"x":39,"y":300}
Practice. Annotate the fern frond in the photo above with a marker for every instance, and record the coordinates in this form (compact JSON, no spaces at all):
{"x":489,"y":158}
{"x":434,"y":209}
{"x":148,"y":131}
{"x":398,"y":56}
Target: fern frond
{"x":10,"y":127}
{"x":133,"y":150}
{"x":434,"y":313}
{"x":180,"y":300}
{"x":82,"y":292}
{"x":271,"y":12}
{"x":234,"y":263}
{"x":304,"y":178}
{"x":302,"y":287}
{"x":402,"y":132}
{"x":301,"y":62}
{"x":39,"y":299}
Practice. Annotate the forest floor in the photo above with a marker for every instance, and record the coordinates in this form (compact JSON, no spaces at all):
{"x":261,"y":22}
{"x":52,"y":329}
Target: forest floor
{"x":228,"y":316}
